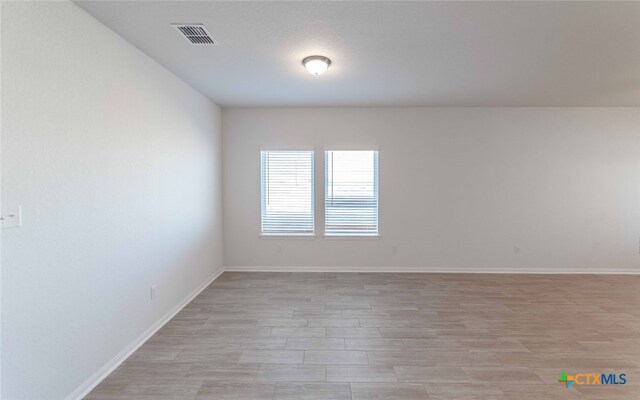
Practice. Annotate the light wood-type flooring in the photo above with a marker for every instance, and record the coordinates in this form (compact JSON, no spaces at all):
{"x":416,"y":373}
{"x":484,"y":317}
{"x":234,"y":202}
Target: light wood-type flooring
{"x":335,"y":336}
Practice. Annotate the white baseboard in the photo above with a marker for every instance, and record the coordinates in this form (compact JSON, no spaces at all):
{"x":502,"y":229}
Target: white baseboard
{"x":599,"y":271}
{"x":110,"y":366}
{"x":93,"y":381}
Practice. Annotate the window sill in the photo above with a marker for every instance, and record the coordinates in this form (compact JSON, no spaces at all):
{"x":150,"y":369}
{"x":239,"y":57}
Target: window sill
{"x":283,"y":237}
{"x":339,"y":237}
{"x":323,"y":237}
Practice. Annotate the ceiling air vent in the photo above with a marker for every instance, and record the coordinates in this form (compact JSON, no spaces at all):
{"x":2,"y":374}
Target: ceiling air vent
{"x":196,"y":34}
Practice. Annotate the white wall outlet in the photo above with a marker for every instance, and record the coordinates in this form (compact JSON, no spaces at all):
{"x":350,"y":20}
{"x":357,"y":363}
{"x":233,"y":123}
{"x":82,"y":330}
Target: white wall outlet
{"x":11,"y":217}
{"x":154,"y":291}
{"x":516,"y":249}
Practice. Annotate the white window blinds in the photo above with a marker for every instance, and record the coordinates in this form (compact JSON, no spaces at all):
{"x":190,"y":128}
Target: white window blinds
{"x":351,"y":193}
{"x":287,"y":192}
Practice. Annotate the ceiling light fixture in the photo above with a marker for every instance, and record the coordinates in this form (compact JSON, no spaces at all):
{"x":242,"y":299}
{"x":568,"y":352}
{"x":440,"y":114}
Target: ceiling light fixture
{"x":316,"y":65}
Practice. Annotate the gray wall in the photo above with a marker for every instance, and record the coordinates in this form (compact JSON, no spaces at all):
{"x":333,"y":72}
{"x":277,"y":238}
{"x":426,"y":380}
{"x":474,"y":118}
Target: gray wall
{"x":116,"y":164}
{"x":459,"y":188}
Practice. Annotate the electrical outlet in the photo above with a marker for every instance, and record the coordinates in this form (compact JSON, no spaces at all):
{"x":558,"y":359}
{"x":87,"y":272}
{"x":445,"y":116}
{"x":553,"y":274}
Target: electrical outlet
{"x":516,"y":249}
{"x":154,"y":291}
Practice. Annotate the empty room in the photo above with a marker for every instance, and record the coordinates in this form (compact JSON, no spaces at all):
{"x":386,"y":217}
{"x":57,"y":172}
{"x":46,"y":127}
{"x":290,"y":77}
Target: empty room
{"x":330,"y":200}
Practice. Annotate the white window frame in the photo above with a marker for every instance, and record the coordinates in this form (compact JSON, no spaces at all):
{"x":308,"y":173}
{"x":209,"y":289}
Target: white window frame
{"x":306,"y":236}
{"x":324,"y":194}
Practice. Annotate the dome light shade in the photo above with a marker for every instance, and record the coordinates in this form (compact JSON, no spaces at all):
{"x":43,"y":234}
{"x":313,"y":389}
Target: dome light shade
{"x":316,"y":65}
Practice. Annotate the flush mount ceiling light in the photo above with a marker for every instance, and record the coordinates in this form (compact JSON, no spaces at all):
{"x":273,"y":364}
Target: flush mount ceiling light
{"x":316,"y":65}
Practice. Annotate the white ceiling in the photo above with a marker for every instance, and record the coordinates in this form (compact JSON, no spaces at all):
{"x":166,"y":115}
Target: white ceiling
{"x":395,"y":53}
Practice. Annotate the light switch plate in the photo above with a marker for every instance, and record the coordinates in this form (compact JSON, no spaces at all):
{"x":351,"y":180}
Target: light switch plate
{"x":11,"y":217}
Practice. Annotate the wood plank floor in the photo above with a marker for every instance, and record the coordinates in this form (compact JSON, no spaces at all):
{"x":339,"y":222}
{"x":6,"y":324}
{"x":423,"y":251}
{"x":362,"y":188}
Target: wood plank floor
{"x":337,"y":336}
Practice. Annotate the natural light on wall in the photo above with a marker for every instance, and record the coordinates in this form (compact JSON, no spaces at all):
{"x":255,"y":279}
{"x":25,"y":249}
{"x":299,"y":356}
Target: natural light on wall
{"x":287,"y":192}
{"x":351,"y":193}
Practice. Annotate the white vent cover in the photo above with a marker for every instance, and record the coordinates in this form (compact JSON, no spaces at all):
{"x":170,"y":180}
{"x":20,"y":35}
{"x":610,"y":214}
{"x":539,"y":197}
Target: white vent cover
{"x":196,"y":34}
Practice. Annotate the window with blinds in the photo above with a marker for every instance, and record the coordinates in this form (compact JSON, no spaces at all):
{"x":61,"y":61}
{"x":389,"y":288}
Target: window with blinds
{"x":351,"y":193}
{"x":287,"y":192}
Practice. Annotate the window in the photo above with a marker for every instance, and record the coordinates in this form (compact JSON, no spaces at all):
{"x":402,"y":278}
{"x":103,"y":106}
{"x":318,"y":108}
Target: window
{"x":351,"y":193}
{"x":287,"y":192}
